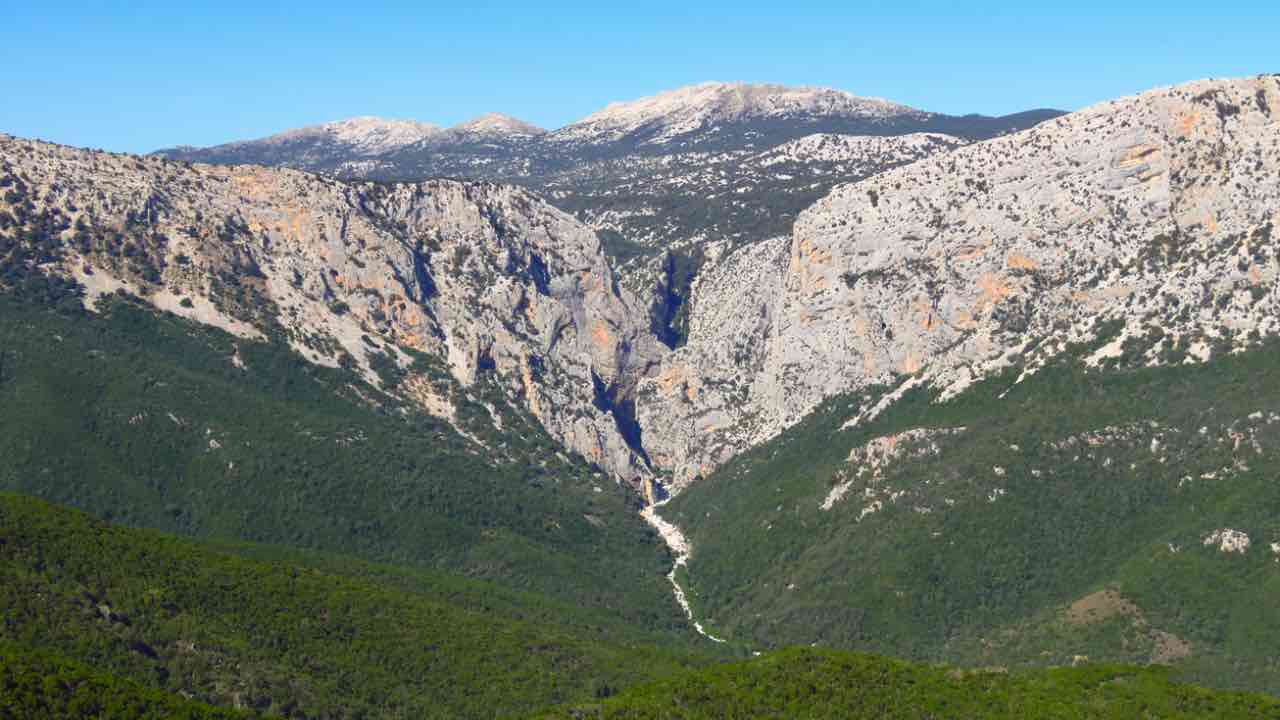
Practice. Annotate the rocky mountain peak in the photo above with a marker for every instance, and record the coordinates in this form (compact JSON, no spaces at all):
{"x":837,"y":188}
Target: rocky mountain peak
{"x":499,"y":124}
{"x":690,"y":108}
{"x":365,"y":134}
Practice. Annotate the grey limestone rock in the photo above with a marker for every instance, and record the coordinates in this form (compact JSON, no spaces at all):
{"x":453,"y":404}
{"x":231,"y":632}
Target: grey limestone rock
{"x":1158,"y":214}
{"x":486,"y":277}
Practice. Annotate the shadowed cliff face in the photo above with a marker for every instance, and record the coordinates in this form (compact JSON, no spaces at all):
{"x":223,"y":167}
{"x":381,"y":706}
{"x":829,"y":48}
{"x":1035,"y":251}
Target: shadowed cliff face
{"x":1158,"y":212}
{"x":487,"y":278}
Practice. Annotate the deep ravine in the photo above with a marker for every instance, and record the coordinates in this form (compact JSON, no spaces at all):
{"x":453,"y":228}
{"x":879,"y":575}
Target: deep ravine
{"x":680,"y":546}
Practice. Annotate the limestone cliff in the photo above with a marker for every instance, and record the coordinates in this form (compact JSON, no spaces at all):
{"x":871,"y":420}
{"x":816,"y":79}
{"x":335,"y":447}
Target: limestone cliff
{"x":1156,"y":217}
{"x":485,"y":277}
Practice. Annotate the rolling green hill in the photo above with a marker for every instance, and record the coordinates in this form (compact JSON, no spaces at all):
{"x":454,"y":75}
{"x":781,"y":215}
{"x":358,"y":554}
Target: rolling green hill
{"x":803,"y":683}
{"x":106,"y":621}
{"x":318,"y":637}
{"x":1123,"y":514}
{"x":36,"y":684}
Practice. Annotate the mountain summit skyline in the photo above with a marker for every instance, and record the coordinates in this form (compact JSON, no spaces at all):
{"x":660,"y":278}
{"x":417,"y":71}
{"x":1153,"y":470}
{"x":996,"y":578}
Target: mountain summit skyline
{"x":677,"y":110}
{"x":202,"y":76}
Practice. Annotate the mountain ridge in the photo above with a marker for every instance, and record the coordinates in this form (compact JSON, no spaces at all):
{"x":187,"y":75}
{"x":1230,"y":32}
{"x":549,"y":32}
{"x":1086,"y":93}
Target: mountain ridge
{"x":665,"y":179}
{"x":690,"y":108}
{"x":755,"y":98}
{"x":329,"y":265}
{"x":682,"y":110}
{"x":1156,"y":209}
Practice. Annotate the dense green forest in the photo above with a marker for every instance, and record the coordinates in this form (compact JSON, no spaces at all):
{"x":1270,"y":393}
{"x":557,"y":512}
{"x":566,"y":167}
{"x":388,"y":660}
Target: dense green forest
{"x":1069,"y":514}
{"x":305,"y":637}
{"x":38,"y":684}
{"x":806,"y":683}
{"x":114,"y":622}
{"x":146,"y":419}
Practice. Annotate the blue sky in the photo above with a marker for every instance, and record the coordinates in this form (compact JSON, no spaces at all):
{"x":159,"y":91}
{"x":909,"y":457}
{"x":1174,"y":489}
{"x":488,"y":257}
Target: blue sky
{"x":143,"y":75}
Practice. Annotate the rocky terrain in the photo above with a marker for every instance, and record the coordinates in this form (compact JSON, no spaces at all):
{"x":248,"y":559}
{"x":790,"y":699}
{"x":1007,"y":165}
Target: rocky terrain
{"x":692,"y":171}
{"x":702,"y":204}
{"x":484,"y":278}
{"x":314,"y":147}
{"x":1156,"y":213}
{"x":881,"y":379}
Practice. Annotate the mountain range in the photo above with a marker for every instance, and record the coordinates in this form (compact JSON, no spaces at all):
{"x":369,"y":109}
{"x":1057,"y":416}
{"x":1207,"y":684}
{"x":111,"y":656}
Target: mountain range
{"x":713,"y":115}
{"x":664,"y":180}
{"x":967,"y":390}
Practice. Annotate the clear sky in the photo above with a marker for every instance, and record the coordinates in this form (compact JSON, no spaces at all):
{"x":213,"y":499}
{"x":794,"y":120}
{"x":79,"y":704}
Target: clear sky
{"x":143,"y":75}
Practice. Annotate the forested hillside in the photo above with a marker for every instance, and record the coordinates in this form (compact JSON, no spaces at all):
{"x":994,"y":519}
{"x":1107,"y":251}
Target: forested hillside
{"x":150,"y":420}
{"x":111,"y":622}
{"x":296,"y":636}
{"x":804,"y":683}
{"x":38,"y":684}
{"x":1114,"y":513}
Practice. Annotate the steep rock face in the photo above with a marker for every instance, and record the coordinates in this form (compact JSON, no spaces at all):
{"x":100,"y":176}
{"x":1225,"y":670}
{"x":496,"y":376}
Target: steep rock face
{"x":709,"y":202}
{"x":485,"y":277}
{"x":693,"y":409}
{"x":727,"y":163}
{"x":1153,"y":217}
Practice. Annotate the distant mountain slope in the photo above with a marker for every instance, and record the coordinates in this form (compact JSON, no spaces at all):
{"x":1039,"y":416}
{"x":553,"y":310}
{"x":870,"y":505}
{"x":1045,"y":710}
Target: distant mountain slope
{"x":286,"y":638}
{"x":336,"y":147}
{"x":818,"y":683}
{"x":656,"y":173}
{"x":719,"y":117}
{"x":312,"y":147}
{"x":680,"y":116}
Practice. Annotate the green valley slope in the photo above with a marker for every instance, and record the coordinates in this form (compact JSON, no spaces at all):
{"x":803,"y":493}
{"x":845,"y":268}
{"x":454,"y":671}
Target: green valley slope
{"x":107,"y":621}
{"x":150,"y":420}
{"x":1119,"y":513}
{"x":298,"y":637}
{"x":828,"y":684}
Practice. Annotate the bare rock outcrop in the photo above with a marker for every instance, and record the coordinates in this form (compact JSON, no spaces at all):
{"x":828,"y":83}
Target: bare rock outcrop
{"x":487,"y":278}
{"x":1155,"y":217}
